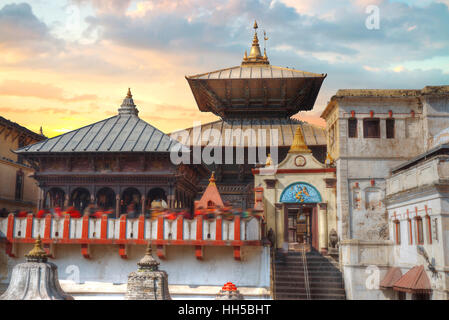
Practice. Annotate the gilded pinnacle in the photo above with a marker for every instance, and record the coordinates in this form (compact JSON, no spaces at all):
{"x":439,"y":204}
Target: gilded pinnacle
{"x":299,"y":145}
{"x":129,"y":95}
{"x":212,"y":179}
{"x":37,"y":254}
{"x":255,"y":55}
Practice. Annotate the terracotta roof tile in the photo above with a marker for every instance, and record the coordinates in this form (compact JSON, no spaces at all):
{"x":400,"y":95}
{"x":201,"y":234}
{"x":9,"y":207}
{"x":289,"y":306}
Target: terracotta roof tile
{"x":414,"y":281}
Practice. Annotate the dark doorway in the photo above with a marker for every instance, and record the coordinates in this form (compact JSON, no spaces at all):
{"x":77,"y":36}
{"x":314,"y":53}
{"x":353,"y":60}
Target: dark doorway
{"x":301,"y":229}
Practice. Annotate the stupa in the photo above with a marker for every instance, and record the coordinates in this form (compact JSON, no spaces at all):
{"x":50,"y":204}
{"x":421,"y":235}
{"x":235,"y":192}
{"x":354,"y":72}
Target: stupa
{"x":36,"y":279}
{"x":148,"y":282}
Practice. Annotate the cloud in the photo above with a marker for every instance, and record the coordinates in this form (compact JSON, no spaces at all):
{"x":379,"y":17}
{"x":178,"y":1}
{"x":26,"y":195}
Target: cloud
{"x":21,"y":29}
{"x":39,"y":90}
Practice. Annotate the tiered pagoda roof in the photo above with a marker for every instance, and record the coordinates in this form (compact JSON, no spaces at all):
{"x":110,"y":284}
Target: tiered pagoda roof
{"x":255,"y":89}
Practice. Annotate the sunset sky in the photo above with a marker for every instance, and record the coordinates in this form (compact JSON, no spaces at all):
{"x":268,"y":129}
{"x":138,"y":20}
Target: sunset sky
{"x":68,"y":63}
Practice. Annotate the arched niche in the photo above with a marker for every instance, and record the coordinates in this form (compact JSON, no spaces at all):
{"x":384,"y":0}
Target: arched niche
{"x":300,"y":192}
{"x":106,"y":198}
{"x":80,"y":198}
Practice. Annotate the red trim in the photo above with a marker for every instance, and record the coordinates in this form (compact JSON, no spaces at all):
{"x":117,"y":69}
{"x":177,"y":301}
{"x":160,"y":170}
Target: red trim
{"x":85,"y":250}
{"x":122,"y":251}
{"x":237,"y":228}
{"x":9,"y":248}
{"x":10,"y":230}
{"x":238,"y":253}
{"x":29,"y":227}
{"x":219,"y":228}
{"x":410,"y":231}
{"x":47,"y":229}
{"x":323,"y":170}
{"x":66,"y":228}
{"x":160,"y":228}
{"x":199,"y":252}
{"x":104,"y":227}
{"x":141,"y":228}
{"x":199,"y":228}
{"x":122,"y":232}
{"x":160,"y":250}
{"x":217,"y":243}
{"x":85,"y":228}
{"x":397,"y":226}
{"x":180,"y":228}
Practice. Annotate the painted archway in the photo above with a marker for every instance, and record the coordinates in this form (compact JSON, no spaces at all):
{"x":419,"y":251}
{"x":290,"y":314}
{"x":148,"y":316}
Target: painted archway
{"x":300,"y":192}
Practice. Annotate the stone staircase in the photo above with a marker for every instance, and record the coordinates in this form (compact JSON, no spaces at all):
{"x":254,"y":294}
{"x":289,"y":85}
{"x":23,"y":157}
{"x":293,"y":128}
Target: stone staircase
{"x":324,"y":277}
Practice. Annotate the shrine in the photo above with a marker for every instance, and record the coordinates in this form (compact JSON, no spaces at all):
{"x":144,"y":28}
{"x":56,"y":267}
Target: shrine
{"x":299,"y":198}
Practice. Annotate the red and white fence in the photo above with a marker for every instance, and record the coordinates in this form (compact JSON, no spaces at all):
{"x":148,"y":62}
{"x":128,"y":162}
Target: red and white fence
{"x":198,"y":232}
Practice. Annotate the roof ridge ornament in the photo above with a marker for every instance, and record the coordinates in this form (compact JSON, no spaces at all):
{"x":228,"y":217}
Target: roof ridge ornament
{"x":255,"y":56}
{"x":128,"y":107}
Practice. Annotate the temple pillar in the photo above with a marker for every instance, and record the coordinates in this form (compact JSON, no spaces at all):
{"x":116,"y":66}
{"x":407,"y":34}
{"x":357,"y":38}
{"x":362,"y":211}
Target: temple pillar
{"x":322,"y":227}
{"x":66,"y":200}
{"x":142,"y":203}
{"x":117,"y":205}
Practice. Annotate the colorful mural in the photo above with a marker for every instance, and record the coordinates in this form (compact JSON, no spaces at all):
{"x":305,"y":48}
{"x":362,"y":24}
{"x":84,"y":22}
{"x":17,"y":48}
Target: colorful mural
{"x":300,"y":192}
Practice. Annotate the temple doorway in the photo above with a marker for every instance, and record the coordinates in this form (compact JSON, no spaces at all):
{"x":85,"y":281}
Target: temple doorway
{"x":301,"y":226}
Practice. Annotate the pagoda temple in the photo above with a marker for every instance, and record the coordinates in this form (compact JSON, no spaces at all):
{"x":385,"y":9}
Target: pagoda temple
{"x":255,"y":95}
{"x":120,"y":165}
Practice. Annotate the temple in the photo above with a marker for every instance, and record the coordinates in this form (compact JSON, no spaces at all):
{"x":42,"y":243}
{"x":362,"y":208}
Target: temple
{"x":253,"y":97}
{"x":355,"y":210}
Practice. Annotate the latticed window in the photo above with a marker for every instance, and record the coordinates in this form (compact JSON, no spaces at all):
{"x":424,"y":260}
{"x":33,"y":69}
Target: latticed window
{"x":352,"y":128}
{"x":371,"y":128}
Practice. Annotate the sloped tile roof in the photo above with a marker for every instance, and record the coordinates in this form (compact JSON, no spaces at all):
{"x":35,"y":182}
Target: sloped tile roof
{"x":414,"y":281}
{"x":121,"y":133}
{"x":393,"y":275}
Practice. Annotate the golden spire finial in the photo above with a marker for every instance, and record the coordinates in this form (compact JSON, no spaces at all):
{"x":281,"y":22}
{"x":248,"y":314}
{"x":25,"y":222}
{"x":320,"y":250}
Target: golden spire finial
{"x":212,"y":179}
{"x":37,"y":253}
{"x":255,"y":55}
{"x":129,"y":95}
{"x":299,"y":144}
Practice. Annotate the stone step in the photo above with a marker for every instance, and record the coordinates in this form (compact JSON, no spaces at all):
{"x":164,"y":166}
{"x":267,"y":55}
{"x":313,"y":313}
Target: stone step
{"x":313,"y":297}
{"x":312,"y":273}
{"x":292,"y":290}
{"x":313,"y":284}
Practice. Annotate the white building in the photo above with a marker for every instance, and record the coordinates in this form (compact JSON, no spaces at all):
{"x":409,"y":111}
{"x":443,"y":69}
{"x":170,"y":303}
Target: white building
{"x":370,"y":132}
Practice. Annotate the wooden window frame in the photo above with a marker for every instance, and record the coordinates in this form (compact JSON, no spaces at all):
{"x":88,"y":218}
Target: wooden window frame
{"x":410,"y":231}
{"x":365,"y":128}
{"x":397,"y":231}
{"x":419,"y":230}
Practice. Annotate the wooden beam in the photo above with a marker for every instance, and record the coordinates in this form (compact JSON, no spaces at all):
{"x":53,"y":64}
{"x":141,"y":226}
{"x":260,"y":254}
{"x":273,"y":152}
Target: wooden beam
{"x":217,"y":103}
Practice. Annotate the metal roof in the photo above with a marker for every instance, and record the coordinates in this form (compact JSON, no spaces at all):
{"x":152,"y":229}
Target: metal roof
{"x":313,"y":135}
{"x":256,"y":72}
{"x":121,"y":133}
